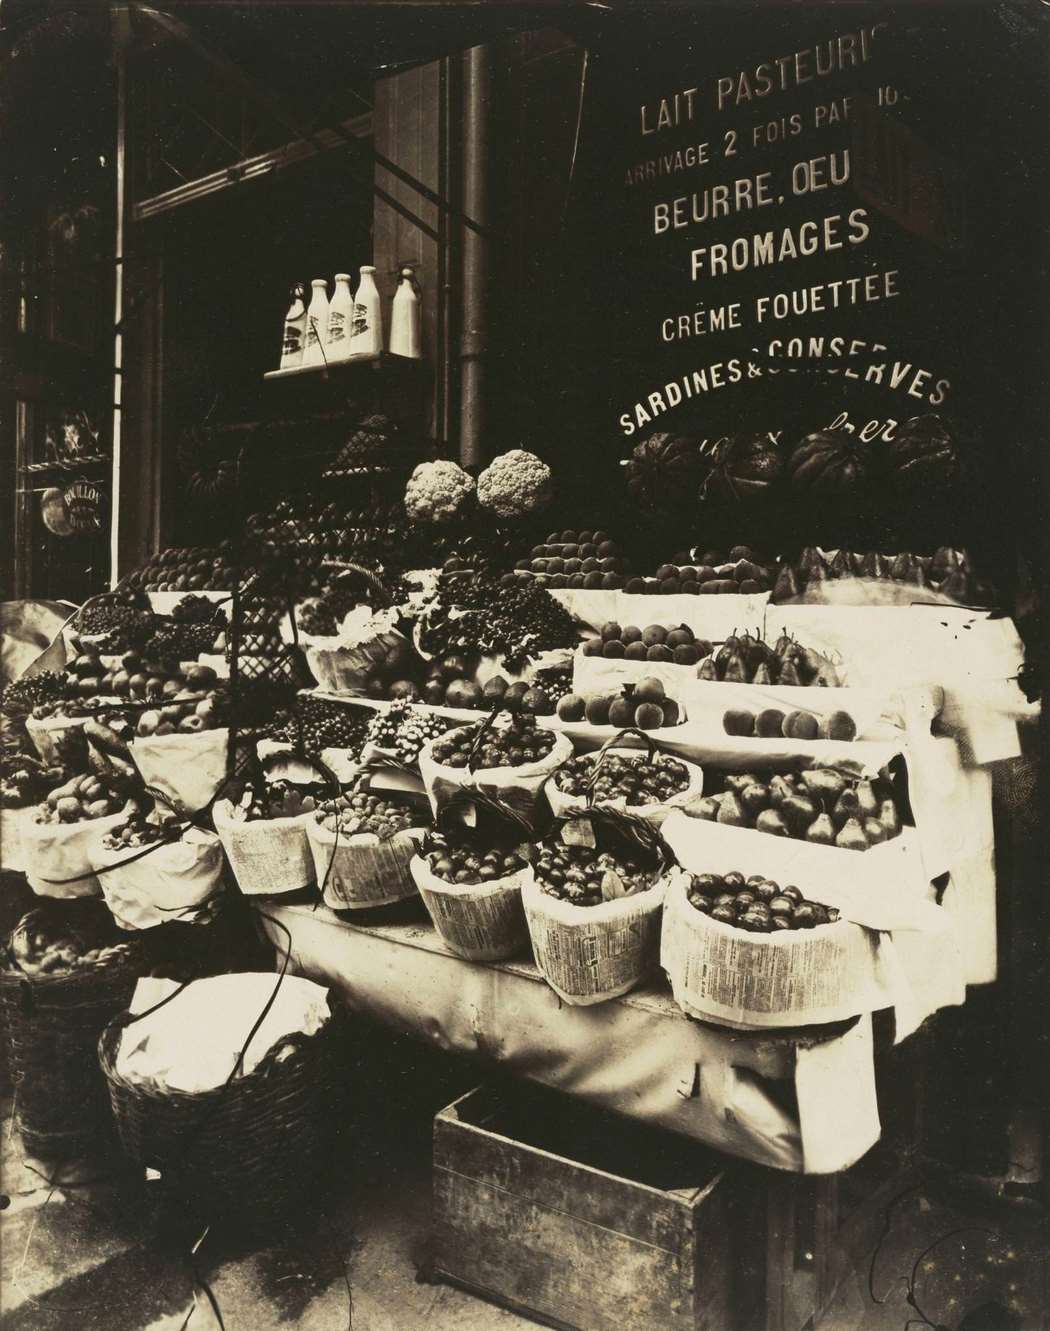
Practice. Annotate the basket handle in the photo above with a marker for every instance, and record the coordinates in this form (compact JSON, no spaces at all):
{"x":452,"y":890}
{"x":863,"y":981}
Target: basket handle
{"x":611,"y":743}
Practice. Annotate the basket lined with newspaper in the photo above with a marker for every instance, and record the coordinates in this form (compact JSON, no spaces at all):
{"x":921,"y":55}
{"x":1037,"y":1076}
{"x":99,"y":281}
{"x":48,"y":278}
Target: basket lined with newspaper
{"x":238,"y":1124}
{"x":66,"y":971}
{"x":646,"y":782}
{"x":470,"y":878}
{"x":593,"y":902}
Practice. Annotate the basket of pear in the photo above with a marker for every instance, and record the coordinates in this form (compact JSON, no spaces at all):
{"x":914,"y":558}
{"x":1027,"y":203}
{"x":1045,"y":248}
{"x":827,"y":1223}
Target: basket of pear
{"x":823,"y":805}
{"x":593,"y":903}
{"x":57,"y":839}
{"x":470,"y":879}
{"x":646,"y":782}
{"x":362,"y":843}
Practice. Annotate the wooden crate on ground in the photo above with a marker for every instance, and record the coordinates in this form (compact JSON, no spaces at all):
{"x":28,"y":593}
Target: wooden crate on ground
{"x":580,"y":1219}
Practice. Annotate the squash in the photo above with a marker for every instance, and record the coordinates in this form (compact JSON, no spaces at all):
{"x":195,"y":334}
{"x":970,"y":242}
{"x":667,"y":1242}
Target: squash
{"x":665,"y":470}
{"x":744,"y":467}
{"x":923,"y":454}
{"x":830,"y":462}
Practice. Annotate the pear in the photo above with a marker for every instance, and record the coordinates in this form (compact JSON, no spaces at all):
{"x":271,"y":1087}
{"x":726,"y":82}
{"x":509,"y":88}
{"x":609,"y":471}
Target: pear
{"x":798,"y":811}
{"x":779,"y":791}
{"x":841,"y":566}
{"x":707,"y":670}
{"x":755,"y":798}
{"x":783,"y":644}
{"x":762,"y":675}
{"x":808,"y":663}
{"x":738,"y":781}
{"x":871,"y":565}
{"x":789,"y":675}
{"x":874,"y":831}
{"x":730,"y":812}
{"x":725,"y":653}
{"x":809,"y":560}
{"x":707,"y":809}
{"x":945,"y":561}
{"x":852,"y":837}
{"x":857,"y":562}
{"x":919,"y":576}
{"x":735,"y":672}
{"x":770,"y":821}
{"x":846,"y":807}
{"x":901,"y":568}
{"x":867,"y":800}
{"x":819,"y":574}
{"x":821,"y":831}
{"x":824,"y":784}
{"x":890,"y":818}
{"x":786,"y":587}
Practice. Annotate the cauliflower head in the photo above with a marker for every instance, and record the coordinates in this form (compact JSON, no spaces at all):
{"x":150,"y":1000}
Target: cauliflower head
{"x":437,"y":492}
{"x":515,"y":484}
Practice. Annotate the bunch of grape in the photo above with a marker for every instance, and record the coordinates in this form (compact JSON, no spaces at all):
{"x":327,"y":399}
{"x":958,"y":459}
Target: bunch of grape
{"x":198,"y":610}
{"x":22,"y":695}
{"x":109,"y":614}
{"x":325,"y":725}
{"x":180,"y":642}
{"x":517,"y":622}
{"x":553,"y":684}
{"x":405,"y":729}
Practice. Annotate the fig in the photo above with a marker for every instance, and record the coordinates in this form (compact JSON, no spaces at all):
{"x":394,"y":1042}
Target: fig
{"x":649,"y":716}
{"x":738,"y":722}
{"x":801,"y":725}
{"x":571,"y":707}
{"x":839,"y":725}
{"x":597,"y":711}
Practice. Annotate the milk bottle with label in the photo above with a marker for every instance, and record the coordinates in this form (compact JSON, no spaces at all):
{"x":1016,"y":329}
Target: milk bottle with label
{"x":340,"y":319}
{"x":366,"y":337}
{"x":294,"y":330}
{"x":315,"y":351}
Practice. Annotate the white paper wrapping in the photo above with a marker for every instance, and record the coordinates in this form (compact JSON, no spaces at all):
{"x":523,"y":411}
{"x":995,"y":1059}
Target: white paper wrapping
{"x":589,"y":954}
{"x":267,"y":855}
{"x":521,"y":787}
{"x":187,"y":769}
{"x":54,"y":851}
{"x":176,"y":882}
{"x":191,"y":1043}
{"x":712,"y":617}
{"x":762,"y":1097}
{"x":478,"y":921}
{"x":563,"y":804}
{"x":360,"y":871}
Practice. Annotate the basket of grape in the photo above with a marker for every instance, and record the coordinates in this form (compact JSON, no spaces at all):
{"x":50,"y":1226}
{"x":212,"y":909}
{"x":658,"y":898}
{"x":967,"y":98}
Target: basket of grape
{"x":648,"y":784}
{"x":362,"y":844}
{"x":65,"y":971}
{"x":593,"y":903}
{"x":57,"y":839}
{"x":746,"y":951}
{"x":264,"y":835}
{"x":470,"y":880}
{"x":506,"y":757}
{"x":157,"y":869}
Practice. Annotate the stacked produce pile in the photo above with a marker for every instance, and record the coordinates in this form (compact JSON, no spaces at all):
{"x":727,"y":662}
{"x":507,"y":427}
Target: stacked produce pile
{"x":822,"y":805}
{"x":678,"y":645}
{"x":585,"y":559}
{"x":745,"y":658}
{"x":947,"y":573}
{"x":699,"y":572}
{"x":182,"y":568}
{"x":645,"y":705}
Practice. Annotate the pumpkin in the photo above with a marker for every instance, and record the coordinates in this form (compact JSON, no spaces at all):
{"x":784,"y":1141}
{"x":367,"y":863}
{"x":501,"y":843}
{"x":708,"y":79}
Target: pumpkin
{"x":665,"y":470}
{"x":830,"y":462}
{"x":744,"y":467}
{"x":923,"y":454}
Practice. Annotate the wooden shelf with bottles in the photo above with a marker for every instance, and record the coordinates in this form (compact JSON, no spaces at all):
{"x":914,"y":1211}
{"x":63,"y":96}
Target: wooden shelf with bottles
{"x":380,"y":361}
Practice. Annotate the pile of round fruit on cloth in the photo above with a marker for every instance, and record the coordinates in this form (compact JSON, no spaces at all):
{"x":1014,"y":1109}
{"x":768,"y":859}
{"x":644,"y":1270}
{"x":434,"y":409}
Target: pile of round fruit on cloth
{"x":645,"y":705}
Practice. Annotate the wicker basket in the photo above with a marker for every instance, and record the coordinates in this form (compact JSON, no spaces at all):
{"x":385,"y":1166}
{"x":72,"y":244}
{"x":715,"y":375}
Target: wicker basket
{"x":250,"y":1150}
{"x":52,"y":1024}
